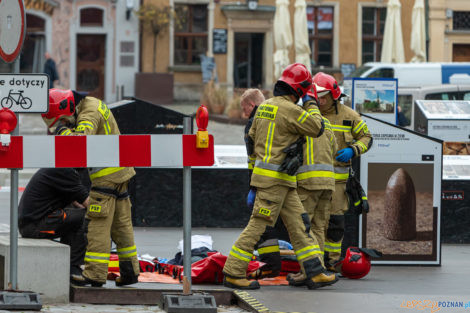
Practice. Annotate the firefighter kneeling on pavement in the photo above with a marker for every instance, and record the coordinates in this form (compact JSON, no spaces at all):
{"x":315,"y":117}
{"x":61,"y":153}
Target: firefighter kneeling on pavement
{"x":353,"y":139}
{"x":109,"y":211}
{"x":278,"y":123}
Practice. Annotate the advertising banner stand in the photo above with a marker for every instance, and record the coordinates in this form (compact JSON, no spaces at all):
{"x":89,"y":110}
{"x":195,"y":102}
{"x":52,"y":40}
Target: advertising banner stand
{"x":455,"y":194}
{"x":401,"y":175}
{"x":443,"y":119}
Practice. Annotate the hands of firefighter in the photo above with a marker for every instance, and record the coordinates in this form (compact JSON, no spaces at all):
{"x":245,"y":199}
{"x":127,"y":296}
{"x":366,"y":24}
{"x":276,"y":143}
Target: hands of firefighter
{"x":62,"y":125}
{"x":306,"y":98}
{"x":294,"y":157}
{"x":250,"y":198}
{"x":344,"y":155}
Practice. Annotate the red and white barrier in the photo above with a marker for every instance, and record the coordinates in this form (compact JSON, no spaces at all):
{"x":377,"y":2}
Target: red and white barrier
{"x":171,"y":151}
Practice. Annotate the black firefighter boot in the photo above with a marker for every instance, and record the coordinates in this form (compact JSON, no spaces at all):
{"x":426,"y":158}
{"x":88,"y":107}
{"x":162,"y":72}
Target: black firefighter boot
{"x":127,"y":274}
{"x":82,"y":280}
{"x":317,"y":276}
{"x":296,"y":279}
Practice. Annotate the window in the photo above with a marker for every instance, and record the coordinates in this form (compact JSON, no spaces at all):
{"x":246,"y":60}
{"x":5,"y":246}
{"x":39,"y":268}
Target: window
{"x":190,"y":33}
{"x":461,"y":20}
{"x":404,"y":103}
{"x":373,"y":24}
{"x":442,"y":96}
{"x":320,"y":30}
{"x":91,"y":17}
{"x":382,"y":73}
{"x":466,"y":95}
{"x":34,"y":46}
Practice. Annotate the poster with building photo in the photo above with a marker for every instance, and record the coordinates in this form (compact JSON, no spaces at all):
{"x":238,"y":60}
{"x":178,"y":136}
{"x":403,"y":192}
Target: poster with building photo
{"x":402,"y":177}
{"x":376,"y":97}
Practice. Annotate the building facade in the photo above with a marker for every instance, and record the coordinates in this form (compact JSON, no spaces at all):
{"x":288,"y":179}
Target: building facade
{"x":449,"y":30}
{"x":94,"y":43}
{"x":343,"y":34}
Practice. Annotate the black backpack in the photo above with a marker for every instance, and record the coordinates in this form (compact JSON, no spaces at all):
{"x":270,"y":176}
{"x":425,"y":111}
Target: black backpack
{"x":358,"y":203}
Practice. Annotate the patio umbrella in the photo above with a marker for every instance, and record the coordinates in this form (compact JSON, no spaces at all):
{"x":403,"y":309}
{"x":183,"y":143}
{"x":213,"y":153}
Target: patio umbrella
{"x":392,"y":45}
{"x":282,"y":36}
{"x":418,"y":32}
{"x":302,"y":47}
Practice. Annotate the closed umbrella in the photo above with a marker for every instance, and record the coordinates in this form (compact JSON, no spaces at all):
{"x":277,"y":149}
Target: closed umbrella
{"x":418,"y":32}
{"x":282,"y":36}
{"x":302,"y":47}
{"x":392,"y":45}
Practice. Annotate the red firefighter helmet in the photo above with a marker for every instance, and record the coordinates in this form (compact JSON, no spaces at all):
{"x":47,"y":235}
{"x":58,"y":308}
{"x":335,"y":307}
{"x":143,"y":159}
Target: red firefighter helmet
{"x":356,"y":264}
{"x":298,"y":77}
{"x":315,"y":90}
{"x":312,"y":92}
{"x":329,"y":83}
{"x":61,"y":103}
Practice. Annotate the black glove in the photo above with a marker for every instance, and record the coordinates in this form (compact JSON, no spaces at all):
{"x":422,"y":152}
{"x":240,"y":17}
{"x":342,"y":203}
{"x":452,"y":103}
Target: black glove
{"x":358,"y":202}
{"x":294,"y":157}
{"x":61,"y":126}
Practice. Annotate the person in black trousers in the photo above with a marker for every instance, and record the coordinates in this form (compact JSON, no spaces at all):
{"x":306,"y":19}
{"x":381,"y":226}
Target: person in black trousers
{"x":53,"y":205}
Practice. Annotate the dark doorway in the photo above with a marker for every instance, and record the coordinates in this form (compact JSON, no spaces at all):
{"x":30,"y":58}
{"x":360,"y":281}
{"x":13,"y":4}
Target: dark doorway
{"x":461,"y":53}
{"x":34,"y":46}
{"x":91,"y":64}
{"x":248,"y":65}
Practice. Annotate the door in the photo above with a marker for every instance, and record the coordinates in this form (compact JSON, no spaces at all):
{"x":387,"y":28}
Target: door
{"x":248,"y":64}
{"x":461,"y":53}
{"x":90,"y":64}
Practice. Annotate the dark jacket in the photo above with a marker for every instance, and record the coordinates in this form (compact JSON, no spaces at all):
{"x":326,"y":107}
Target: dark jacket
{"x":51,"y":70}
{"x":48,"y":190}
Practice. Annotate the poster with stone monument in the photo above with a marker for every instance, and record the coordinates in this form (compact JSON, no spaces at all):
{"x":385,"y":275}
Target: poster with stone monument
{"x":402,"y":177}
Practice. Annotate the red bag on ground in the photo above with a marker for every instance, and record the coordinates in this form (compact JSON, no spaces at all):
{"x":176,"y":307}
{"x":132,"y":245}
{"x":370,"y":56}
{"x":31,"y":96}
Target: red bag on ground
{"x":288,"y":266}
{"x":209,"y":270}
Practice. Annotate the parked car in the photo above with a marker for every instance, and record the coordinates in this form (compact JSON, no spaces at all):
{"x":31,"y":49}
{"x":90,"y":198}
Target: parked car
{"x":417,"y":74}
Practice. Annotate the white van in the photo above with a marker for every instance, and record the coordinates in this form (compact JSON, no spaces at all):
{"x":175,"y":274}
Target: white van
{"x":417,"y":74}
{"x":407,"y":97}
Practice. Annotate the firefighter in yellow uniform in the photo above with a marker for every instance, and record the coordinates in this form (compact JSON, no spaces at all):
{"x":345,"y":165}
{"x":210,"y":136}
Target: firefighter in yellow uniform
{"x":278,"y":123}
{"x":316,"y":180}
{"x":109,"y":212}
{"x":353,"y":139}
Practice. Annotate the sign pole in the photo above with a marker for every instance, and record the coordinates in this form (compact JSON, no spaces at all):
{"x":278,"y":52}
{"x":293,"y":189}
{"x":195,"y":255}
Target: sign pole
{"x":187,"y":217}
{"x":14,"y":210}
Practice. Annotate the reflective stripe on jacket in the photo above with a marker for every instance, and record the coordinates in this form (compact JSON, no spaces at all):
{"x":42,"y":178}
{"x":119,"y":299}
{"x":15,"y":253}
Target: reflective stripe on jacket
{"x":278,"y":123}
{"x":317,"y":171}
{"x":350,"y":131}
{"x":95,"y":118}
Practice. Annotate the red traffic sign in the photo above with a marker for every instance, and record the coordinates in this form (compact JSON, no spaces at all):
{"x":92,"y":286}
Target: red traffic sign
{"x":12,"y":29}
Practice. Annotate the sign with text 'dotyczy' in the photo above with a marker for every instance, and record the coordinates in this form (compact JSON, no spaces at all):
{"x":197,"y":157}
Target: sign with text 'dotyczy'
{"x":24,"y":93}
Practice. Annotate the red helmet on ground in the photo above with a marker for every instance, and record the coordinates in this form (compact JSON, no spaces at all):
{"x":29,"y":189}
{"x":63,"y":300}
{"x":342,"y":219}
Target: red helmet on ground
{"x":61,"y":103}
{"x":356,"y":264}
{"x":298,"y":77}
{"x":329,"y":83}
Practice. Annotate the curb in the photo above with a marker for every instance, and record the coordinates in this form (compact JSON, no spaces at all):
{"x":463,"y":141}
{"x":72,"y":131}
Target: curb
{"x":247,"y":302}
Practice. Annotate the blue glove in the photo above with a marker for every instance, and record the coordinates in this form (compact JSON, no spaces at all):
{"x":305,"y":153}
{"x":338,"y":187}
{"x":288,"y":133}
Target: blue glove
{"x":250,"y":198}
{"x":345,"y":155}
{"x":306,"y":98}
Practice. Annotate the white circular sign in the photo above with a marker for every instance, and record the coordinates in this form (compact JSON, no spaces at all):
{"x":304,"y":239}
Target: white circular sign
{"x":12,"y":29}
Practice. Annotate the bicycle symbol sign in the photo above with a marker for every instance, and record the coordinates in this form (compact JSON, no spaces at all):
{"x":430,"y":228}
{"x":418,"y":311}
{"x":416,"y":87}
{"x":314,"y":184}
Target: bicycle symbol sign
{"x":24,"y":93}
{"x":8,"y":101}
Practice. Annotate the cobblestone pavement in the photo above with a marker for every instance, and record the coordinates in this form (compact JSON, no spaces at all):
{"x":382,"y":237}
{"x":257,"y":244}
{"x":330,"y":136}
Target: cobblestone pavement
{"x":94,"y":308}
